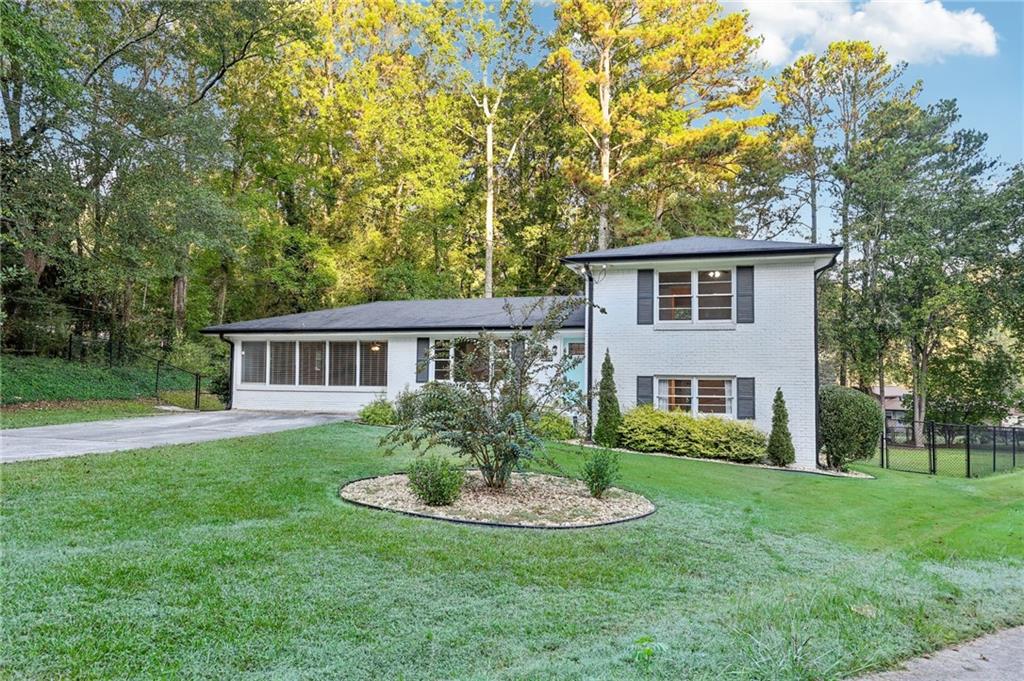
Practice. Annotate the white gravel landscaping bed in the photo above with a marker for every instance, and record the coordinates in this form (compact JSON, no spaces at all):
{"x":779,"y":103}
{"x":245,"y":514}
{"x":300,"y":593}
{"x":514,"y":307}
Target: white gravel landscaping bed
{"x":529,"y":500}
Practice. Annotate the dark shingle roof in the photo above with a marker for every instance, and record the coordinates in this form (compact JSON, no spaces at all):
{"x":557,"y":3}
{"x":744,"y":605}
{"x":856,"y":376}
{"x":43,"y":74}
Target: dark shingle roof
{"x":701,"y":247}
{"x":453,"y":314}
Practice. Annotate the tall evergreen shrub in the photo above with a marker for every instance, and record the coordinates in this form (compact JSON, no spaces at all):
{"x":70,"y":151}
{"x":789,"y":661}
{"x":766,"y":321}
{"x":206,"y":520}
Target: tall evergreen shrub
{"x":609,"y":417}
{"x":780,"y":450}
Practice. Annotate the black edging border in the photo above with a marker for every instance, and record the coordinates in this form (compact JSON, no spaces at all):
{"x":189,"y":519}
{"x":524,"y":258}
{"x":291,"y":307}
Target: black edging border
{"x":481,"y":523}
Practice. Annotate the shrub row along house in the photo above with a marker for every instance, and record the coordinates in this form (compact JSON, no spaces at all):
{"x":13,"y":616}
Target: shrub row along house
{"x":708,"y":325}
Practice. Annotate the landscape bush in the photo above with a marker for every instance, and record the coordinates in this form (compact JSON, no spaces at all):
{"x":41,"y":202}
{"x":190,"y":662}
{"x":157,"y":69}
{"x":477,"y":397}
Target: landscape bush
{"x":780,"y":451}
{"x":646,"y":429}
{"x":380,"y":412}
{"x":435,"y":480}
{"x":851,"y":425}
{"x":609,"y":417}
{"x":600,"y":470}
{"x":554,"y":426}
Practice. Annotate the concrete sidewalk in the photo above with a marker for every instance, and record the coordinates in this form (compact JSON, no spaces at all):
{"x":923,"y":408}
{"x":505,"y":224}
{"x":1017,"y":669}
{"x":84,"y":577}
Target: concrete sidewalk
{"x":74,"y":439}
{"x":996,"y":657}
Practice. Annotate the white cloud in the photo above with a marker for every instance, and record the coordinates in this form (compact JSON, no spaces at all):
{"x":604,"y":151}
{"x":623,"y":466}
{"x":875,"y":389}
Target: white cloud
{"x":917,"y":31}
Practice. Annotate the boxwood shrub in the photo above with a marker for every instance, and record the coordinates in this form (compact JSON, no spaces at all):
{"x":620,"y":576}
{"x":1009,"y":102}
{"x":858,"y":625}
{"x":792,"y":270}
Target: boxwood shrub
{"x":378,"y":413}
{"x":851,"y":425}
{"x":554,"y":426}
{"x":646,"y":429}
{"x":436,"y":480}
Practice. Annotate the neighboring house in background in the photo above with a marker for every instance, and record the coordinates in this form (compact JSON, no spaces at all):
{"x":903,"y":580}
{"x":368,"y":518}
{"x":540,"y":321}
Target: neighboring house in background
{"x":896,"y":399}
{"x":707,"y":325}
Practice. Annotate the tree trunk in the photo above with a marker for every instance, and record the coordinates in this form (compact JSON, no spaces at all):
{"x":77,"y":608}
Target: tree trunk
{"x":919,"y":367}
{"x":605,"y":94}
{"x":179,"y":297}
{"x":222,"y":292}
{"x":489,"y":215}
{"x":814,"y":208}
{"x":844,"y":302}
{"x":881,"y":391}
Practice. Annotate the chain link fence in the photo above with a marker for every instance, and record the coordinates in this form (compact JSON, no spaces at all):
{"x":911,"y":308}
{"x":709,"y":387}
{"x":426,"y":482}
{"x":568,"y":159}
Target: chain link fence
{"x":951,"y":448}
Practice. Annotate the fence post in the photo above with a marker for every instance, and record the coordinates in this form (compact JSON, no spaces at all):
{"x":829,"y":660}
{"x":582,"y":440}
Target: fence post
{"x":994,"y":436}
{"x":197,"y":392}
{"x":1013,"y":445}
{"x":967,"y":447}
{"x":932,"y":463}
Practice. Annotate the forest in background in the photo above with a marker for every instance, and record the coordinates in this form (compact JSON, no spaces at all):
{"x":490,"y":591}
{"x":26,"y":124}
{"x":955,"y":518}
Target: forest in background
{"x":168,"y":165}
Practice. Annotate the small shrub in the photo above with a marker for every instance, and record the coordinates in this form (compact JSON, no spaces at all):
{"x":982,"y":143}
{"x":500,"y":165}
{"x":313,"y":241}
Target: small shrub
{"x":435,"y":480}
{"x":780,"y":450}
{"x":851,"y":425}
{"x":220,"y":385}
{"x":405,"y":406}
{"x":646,"y":429}
{"x":609,"y":417}
{"x":378,"y":413}
{"x":600,"y":469}
{"x":554,"y":426}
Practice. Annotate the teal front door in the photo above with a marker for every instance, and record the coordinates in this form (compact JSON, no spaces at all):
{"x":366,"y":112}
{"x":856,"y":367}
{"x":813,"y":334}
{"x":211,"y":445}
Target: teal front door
{"x":576,"y":347}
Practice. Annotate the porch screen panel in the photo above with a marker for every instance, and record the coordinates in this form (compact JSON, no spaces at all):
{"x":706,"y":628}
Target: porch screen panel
{"x":312,"y":363}
{"x":282,"y":363}
{"x":343,"y":363}
{"x":254,"y":362}
{"x":373,"y":363}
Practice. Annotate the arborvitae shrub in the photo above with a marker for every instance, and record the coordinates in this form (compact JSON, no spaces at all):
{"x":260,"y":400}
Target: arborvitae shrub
{"x":609,"y":417}
{"x":780,"y":443}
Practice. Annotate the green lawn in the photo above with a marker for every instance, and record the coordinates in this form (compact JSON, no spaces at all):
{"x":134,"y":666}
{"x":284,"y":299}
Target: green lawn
{"x":51,"y":413}
{"x":237,"y":558}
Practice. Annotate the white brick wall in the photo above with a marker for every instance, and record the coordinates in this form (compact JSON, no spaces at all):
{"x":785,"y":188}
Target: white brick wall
{"x":777,"y":349}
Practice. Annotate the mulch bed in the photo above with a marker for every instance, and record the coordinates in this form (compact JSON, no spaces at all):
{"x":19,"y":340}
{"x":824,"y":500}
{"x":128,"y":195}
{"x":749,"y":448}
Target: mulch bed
{"x":529,"y":500}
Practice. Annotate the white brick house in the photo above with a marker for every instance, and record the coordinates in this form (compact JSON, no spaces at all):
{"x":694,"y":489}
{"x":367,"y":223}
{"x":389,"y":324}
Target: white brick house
{"x":706,"y":324}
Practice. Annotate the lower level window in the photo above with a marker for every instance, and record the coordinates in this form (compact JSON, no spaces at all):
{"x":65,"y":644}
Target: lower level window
{"x":696,"y":395}
{"x":373,"y":363}
{"x":282,"y":363}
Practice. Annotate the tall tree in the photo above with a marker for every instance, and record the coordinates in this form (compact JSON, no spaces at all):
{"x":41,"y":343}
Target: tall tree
{"x":647,"y":83}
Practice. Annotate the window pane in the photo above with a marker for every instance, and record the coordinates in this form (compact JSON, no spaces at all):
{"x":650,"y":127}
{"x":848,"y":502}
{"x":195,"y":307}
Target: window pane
{"x":577,"y":349}
{"x":674,"y":394}
{"x":282,"y":363}
{"x":254,"y":362}
{"x":470,"y":362}
{"x":373,"y":363}
{"x":714,"y":396}
{"x":714,"y":295}
{"x":343,"y":363}
{"x":442,"y":361}
{"x":675,"y":309}
{"x":312,"y":358}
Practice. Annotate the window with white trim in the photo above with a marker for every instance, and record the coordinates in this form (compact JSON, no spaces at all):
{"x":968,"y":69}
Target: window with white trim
{"x":709,"y":292}
{"x":697,"y":395}
{"x":373,"y":363}
{"x":442,"y":360}
{"x":343,"y":362}
{"x":450,"y":359}
{"x":282,"y":363}
{"x":254,"y":362}
{"x":312,"y":363}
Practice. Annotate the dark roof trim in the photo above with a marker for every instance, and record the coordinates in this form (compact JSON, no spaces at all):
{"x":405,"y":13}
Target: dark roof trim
{"x":760,"y":252}
{"x":216,"y":330}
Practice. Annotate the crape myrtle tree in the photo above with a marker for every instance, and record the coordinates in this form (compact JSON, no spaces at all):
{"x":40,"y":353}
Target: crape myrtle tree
{"x":502,"y":387}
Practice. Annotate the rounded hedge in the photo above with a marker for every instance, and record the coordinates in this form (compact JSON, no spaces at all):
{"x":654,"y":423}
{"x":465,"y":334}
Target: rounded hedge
{"x":646,"y":429}
{"x":380,"y":412}
{"x":851,"y":425}
{"x":553,"y":426}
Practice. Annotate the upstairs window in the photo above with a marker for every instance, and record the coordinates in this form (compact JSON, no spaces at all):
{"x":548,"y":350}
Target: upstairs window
{"x":254,"y":362}
{"x":709,"y":292}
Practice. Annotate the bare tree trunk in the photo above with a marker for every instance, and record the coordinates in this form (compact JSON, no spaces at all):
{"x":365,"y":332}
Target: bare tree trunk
{"x":881,"y":391}
{"x":179,"y":295}
{"x":605,"y":94}
{"x":814,"y":208}
{"x":919,"y":368}
{"x":222,"y":292}
{"x":489,"y":215}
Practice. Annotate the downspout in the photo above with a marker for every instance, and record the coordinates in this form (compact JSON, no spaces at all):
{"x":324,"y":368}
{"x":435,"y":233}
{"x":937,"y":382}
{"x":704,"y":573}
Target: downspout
{"x":590,"y":350}
{"x":817,"y":379}
{"x":231,"y":370}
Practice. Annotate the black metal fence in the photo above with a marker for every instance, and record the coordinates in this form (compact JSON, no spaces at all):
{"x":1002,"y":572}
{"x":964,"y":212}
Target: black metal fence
{"x":951,"y":449}
{"x":139,"y":373}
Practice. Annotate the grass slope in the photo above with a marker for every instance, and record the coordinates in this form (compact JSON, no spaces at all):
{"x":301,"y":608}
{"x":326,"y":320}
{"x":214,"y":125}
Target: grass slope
{"x":32,"y":379}
{"x":53,"y":413}
{"x":236,"y":558}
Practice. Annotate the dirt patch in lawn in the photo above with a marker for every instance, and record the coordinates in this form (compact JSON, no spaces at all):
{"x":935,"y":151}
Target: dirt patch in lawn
{"x":529,"y":500}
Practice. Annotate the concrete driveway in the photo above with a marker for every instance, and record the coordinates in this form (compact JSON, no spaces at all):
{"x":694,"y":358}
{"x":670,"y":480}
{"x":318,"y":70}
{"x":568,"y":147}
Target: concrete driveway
{"x":74,"y":439}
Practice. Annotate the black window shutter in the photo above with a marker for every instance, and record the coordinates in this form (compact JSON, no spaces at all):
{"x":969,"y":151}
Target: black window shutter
{"x":745,"y":294}
{"x":745,"y":398}
{"x":422,"y":360}
{"x":518,"y":350}
{"x":644,"y":390}
{"x":645,"y":296}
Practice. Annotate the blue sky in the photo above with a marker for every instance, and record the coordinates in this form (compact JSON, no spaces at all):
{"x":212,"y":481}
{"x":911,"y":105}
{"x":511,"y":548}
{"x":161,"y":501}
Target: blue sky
{"x":970,"y":51}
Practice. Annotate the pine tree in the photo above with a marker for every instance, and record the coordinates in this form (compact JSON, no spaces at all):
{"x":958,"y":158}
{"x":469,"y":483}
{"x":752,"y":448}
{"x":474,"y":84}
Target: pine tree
{"x":606,"y":433}
{"x":780,"y":444}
